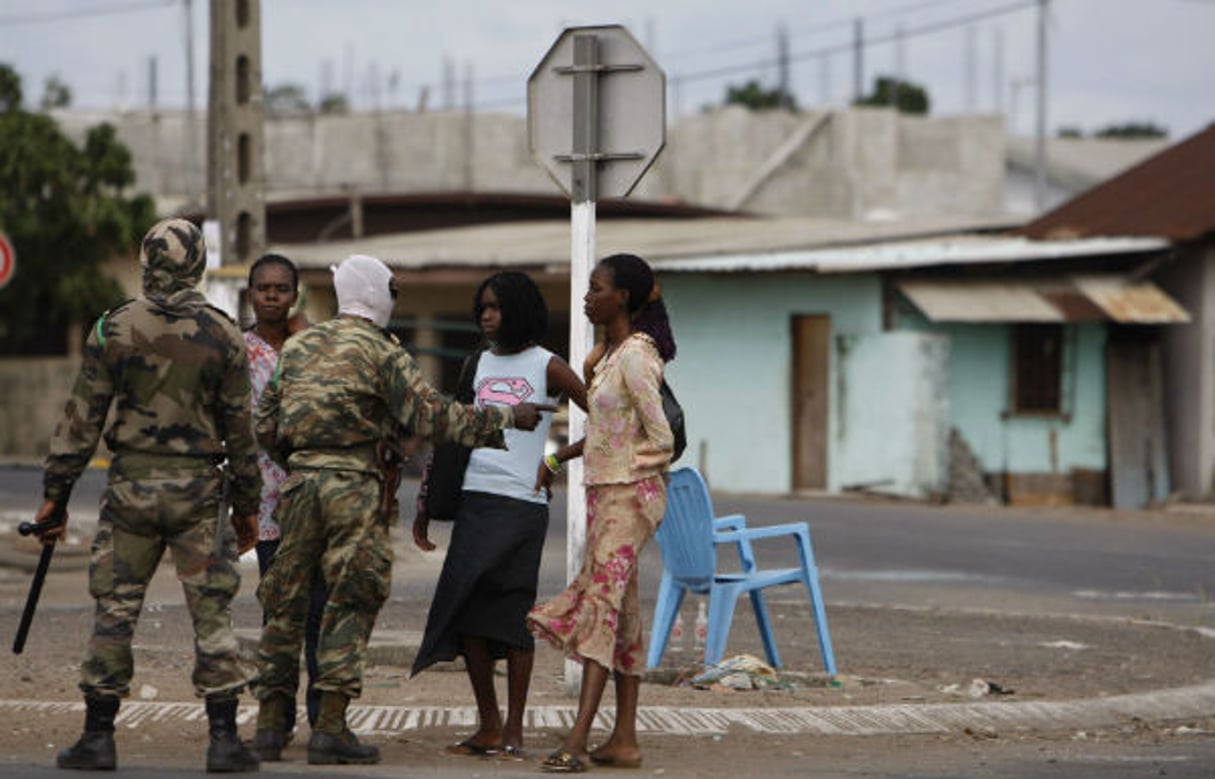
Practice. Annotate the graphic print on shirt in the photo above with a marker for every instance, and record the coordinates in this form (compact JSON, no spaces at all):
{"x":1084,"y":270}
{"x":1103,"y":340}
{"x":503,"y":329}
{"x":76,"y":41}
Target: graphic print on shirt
{"x":503,"y":391}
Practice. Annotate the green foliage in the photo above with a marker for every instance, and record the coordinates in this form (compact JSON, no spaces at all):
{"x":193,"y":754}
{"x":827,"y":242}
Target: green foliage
{"x":907,"y":97}
{"x":286,"y":100}
{"x":65,"y":211}
{"x":55,"y":94}
{"x":10,"y":89}
{"x":334,"y":103}
{"x":1070,"y":132}
{"x":756,"y":98}
{"x":1132,"y":130}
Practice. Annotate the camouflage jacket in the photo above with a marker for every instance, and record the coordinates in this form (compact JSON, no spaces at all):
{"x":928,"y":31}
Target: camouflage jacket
{"x":180,"y":377}
{"x":345,"y":385}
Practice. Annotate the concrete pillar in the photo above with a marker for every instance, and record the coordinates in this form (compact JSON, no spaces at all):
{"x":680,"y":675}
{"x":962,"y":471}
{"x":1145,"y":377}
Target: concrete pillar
{"x":235,"y":148}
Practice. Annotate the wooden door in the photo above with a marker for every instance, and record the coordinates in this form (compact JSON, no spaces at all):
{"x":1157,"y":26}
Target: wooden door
{"x":1135,"y":404}
{"x":811,"y":372}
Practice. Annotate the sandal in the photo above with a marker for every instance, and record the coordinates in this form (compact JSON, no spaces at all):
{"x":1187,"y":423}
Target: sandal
{"x":469,"y":749}
{"x":511,"y":752}
{"x":562,"y":762}
{"x":615,"y":762}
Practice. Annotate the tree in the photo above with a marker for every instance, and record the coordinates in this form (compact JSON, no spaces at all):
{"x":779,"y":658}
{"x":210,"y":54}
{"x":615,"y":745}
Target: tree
{"x":334,"y":103}
{"x":65,"y":211}
{"x":907,"y":97}
{"x":756,"y":98}
{"x":55,"y":94}
{"x":286,"y":100}
{"x":1132,"y":130}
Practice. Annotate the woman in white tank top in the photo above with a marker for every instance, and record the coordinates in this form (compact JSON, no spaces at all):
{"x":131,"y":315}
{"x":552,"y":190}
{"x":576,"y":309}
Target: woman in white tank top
{"x":490,"y":574}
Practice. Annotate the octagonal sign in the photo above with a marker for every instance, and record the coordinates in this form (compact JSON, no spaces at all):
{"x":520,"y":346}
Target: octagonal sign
{"x":611,"y":103}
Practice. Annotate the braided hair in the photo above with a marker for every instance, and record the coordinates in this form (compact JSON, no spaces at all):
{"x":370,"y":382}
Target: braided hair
{"x":524,"y":312}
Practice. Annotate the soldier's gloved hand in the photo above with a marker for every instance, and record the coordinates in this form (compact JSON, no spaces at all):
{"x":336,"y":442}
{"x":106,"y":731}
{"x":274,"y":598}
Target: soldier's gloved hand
{"x":45,"y":512}
{"x":246,"y":531}
{"x":527,"y":415}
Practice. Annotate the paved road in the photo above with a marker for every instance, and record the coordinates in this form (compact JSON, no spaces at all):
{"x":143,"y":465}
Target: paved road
{"x":1140,"y":564}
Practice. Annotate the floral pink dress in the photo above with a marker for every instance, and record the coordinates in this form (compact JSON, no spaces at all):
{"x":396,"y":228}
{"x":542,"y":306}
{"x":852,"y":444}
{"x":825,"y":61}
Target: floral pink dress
{"x":262,"y":360}
{"x":628,"y":446}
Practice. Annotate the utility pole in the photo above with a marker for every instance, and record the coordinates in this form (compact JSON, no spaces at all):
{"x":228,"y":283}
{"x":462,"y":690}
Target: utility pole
{"x":235,"y":169}
{"x":782,"y":58}
{"x":970,"y":76}
{"x":858,"y":60}
{"x":1040,"y":132}
{"x":191,"y":112}
{"x":900,"y":68}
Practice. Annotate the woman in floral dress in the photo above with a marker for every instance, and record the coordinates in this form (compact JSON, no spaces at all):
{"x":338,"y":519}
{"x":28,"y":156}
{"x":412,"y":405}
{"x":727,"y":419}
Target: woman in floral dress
{"x":626,"y":451}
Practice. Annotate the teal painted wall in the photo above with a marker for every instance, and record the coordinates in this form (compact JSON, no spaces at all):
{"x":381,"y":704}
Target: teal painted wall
{"x":980,"y":372}
{"x":732,"y":373}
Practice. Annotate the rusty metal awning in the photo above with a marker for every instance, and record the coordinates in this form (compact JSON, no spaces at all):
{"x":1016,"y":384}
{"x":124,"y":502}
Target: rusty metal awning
{"x":1055,"y":299}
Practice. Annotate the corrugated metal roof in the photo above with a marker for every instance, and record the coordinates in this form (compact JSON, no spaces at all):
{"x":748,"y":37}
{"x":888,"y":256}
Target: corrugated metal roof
{"x":1169,"y":195}
{"x":546,"y":244}
{"x":715,"y":245}
{"x":896,"y":255}
{"x":1065,"y":299}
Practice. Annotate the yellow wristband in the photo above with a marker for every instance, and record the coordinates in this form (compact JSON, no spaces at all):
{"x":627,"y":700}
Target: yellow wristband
{"x":552,"y":463}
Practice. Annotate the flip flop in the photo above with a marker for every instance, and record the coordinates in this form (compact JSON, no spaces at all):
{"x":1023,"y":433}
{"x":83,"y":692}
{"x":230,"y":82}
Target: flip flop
{"x":469,"y":749}
{"x":510,"y":752}
{"x":561,"y":762}
{"x":612,"y":762}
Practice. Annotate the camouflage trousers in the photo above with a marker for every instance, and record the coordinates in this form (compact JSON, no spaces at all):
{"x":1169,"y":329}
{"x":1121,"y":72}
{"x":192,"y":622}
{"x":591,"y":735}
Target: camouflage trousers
{"x":138,"y":521}
{"x":331,"y":521}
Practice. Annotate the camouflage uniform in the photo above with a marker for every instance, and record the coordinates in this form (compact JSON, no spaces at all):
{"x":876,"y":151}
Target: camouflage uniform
{"x":179,"y":374}
{"x":341,"y":388}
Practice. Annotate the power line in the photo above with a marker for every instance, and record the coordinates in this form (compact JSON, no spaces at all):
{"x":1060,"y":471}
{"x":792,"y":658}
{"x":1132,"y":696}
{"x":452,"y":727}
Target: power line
{"x":814,"y":29}
{"x":926,"y":29}
{"x":57,"y":16}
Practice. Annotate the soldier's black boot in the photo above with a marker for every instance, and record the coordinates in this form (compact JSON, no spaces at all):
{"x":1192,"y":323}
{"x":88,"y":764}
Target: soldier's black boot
{"x":273,"y":726}
{"x":95,"y":750}
{"x":332,"y":743}
{"x":225,"y":753}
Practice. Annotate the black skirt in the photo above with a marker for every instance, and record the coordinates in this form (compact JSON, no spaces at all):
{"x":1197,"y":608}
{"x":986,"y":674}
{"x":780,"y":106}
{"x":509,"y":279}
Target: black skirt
{"x":489,"y":578}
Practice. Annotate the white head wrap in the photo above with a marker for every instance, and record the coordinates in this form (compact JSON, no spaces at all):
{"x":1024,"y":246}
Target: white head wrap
{"x":361,"y":284}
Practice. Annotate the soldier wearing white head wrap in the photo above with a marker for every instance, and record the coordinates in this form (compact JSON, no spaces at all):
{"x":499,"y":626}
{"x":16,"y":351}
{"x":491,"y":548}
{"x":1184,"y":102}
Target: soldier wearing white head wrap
{"x":364,"y":288}
{"x":340,"y":391}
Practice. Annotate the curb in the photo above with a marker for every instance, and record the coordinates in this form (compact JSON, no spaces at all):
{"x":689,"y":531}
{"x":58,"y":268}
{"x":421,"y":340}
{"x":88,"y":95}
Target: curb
{"x":986,"y":718}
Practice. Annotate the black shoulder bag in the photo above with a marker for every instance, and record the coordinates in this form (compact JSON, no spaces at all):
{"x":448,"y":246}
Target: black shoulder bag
{"x":445,"y":483}
{"x":674,"y":414}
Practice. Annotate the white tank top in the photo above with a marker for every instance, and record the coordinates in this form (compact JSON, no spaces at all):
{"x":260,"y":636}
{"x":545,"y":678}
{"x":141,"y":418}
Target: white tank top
{"x":506,"y":381}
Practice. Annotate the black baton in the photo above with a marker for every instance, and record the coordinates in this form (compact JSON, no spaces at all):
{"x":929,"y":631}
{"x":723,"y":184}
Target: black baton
{"x":44,"y":563}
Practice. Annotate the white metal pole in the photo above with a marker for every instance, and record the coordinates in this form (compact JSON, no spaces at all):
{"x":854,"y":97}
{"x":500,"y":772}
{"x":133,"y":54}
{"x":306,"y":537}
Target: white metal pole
{"x":582,"y":257}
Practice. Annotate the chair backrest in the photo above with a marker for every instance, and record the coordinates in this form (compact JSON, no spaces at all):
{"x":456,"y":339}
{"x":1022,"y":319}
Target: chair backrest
{"x":686,"y":533}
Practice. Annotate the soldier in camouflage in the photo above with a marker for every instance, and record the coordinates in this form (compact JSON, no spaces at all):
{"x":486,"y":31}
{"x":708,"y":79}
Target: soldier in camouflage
{"x":176,"y":372}
{"x":342,"y":388}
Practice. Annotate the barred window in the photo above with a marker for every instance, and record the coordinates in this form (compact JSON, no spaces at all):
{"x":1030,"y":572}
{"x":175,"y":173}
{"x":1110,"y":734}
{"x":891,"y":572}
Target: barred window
{"x":1037,"y":368}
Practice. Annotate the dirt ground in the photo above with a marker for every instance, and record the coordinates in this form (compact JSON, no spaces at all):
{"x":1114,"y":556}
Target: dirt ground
{"x":885,"y":655}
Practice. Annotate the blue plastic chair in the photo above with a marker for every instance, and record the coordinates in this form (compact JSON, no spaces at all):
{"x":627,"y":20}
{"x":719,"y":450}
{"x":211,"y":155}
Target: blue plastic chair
{"x":689,"y":536}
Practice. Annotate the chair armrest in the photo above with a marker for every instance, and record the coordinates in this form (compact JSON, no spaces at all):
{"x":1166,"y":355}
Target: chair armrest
{"x":730,"y":522}
{"x":744,"y":536}
{"x":735,"y":527}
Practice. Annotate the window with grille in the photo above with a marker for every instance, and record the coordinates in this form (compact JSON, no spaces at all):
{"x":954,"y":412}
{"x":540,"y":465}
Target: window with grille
{"x":1037,"y":368}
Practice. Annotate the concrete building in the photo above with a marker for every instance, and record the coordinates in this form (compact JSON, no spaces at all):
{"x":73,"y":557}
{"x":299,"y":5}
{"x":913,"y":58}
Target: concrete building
{"x":854,"y":163}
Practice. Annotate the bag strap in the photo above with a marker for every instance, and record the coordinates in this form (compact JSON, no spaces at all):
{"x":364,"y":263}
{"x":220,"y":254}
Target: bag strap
{"x":468,"y":373}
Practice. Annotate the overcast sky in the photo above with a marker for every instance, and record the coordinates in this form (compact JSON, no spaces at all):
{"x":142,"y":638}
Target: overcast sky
{"x":1110,"y":61}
